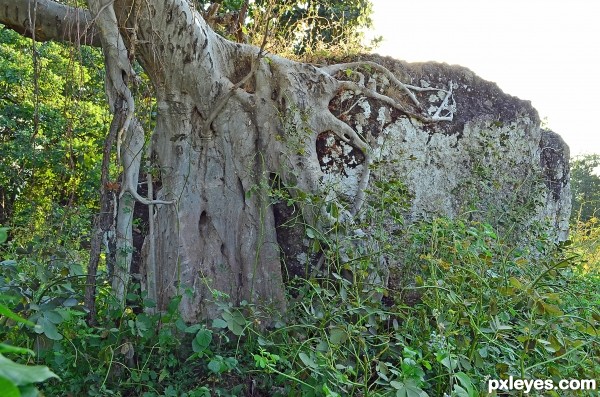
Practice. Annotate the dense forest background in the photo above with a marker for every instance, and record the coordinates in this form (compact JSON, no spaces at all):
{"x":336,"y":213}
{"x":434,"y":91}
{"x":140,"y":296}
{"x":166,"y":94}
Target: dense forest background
{"x":472,"y":306}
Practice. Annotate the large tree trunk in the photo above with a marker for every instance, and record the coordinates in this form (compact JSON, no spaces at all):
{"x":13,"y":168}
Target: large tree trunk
{"x":216,"y":238}
{"x":217,"y":144}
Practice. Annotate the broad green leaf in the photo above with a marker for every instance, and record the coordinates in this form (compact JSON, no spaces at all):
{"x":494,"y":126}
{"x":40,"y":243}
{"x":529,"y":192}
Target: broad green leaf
{"x":219,"y":323}
{"x":446,"y":361}
{"x":49,"y":329}
{"x":328,"y":392}
{"x":70,"y":302}
{"x":202,"y":340}
{"x":309,"y":362}
{"x":173,"y":306}
{"x":197,"y":348}
{"x":459,"y":391}
{"x":8,"y":389}
{"x":396,"y":385}
{"x":132,"y":297}
{"x":22,"y":375}
{"x":549,"y":308}
{"x":235,"y":322}
{"x":53,"y":317}
{"x":408,"y":390}
{"x":322,"y":346}
{"x":192,"y":329}
{"x":231,"y":362}
{"x":149,"y":303}
{"x":338,"y":336}
{"x":483,"y":352}
{"x":515,"y":283}
{"x":590,"y":330}
{"x":236,"y":329}
{"x":467,"y":385}
{"x":3,"y":234}
{"x":215,"y":365}
{"x":180,"y":325}
{"x":29,"y":391}
{"x":164,"y":373}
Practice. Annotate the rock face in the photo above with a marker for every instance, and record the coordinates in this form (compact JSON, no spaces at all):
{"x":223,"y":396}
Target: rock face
{"x":492,"y":162}
{"x":554,"y":162}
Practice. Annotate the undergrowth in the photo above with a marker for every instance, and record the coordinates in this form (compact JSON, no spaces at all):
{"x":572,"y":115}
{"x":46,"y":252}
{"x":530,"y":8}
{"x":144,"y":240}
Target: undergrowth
{"x":462,"y":306}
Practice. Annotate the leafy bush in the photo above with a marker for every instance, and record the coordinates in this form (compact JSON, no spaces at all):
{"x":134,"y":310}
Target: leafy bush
{"x":18,"y":379}
{"x":484,"y":311}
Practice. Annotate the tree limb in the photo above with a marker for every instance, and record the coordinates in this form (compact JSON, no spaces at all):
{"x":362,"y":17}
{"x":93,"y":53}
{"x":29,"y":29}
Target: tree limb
{"x":223,"y":100}
{"x":54,"y":21}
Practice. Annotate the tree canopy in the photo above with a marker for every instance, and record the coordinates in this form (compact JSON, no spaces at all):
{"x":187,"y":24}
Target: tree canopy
{"x":297,"y":28}
{"x":52,"y":121}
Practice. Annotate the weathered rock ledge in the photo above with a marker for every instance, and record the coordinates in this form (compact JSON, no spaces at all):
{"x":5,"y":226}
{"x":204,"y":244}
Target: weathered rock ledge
{"x":492,"y":161}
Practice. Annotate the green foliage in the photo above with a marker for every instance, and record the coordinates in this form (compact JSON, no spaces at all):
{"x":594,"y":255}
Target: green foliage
{"x":494,"y":311}
{"x":157,"y":354}
{"x":483,"y":310}
{"x":45,"y":282}
{"x":585,"y":239}
{"x":298,"y":28}
{"x":469,"y":306}
{"x":50,"y":132}
{"x":585,"y":187}
{"x":463,"y":306}
{"x":17,"y":379}
{"x":320,"y":25}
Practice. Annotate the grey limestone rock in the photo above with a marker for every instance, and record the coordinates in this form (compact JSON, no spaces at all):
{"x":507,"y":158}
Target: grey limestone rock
{"x":492,"y":162}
